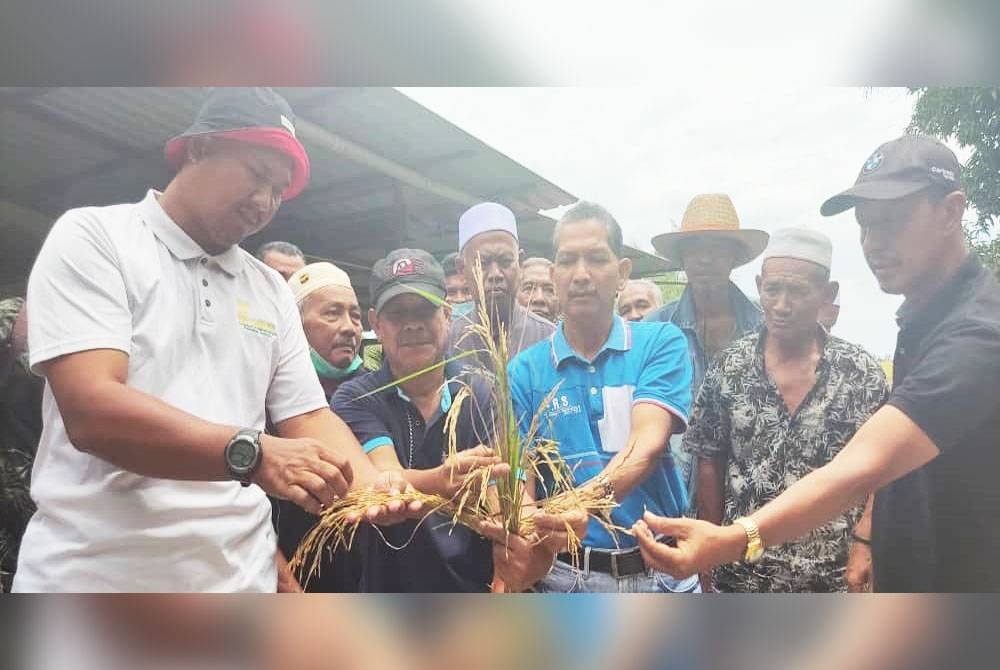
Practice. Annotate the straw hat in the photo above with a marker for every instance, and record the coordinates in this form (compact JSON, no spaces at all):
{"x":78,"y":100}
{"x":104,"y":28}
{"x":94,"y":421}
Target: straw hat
{"x":711,"y":215}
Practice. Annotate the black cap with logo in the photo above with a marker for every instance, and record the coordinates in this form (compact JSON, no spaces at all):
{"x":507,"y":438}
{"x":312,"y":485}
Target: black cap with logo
{"x":406,"y":271}
{"x":897,"y":169}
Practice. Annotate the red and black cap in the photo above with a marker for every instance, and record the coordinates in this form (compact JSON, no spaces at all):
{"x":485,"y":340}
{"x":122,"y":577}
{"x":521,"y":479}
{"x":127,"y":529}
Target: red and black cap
{"x":254,"y":115}
{"x":897,"y":169}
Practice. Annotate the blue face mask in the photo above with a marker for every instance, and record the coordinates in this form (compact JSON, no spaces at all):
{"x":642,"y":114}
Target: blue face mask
{"x":327,"y":371}
{"x":461,"y":309}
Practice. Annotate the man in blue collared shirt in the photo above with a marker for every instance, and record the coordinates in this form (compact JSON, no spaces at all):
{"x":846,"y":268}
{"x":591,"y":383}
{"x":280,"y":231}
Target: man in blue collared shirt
{"x":712,"y":312}
{"x":623,"y":389}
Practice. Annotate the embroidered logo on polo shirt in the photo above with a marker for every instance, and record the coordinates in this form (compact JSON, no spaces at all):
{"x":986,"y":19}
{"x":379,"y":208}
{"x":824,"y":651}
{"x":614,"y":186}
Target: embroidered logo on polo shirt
{"x":560,"y":406}
{"x":252,"y":324}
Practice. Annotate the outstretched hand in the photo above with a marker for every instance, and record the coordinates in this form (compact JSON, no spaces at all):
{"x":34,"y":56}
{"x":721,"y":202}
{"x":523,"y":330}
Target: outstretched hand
{"x":699,"y":545}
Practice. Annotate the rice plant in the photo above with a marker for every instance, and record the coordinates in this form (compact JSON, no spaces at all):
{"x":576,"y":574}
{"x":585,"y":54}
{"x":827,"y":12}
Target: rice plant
{"x":482,"y":497}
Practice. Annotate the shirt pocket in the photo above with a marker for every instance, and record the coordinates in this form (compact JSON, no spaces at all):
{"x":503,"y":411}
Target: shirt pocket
{"x":616,"y":425}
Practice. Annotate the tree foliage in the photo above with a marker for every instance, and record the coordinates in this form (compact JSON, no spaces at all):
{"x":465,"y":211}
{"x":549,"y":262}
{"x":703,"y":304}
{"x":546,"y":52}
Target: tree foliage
{"x":970,"y":116}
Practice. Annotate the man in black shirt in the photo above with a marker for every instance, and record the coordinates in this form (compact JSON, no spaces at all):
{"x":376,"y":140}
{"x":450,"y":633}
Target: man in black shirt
{"x":398,"y":414}
{"x":932,"y":453}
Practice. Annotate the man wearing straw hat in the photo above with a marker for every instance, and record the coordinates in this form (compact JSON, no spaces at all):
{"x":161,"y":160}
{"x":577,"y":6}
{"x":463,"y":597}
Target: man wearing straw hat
{"x":930,"y":452}
{"x":164,"y":346}
{"x":331,"y":319}
{"x":712,"y":311}
{"x":776,"y":405}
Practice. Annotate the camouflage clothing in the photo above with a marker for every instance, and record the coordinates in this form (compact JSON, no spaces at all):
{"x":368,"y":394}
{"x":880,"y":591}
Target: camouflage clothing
{"x":20,"y":427}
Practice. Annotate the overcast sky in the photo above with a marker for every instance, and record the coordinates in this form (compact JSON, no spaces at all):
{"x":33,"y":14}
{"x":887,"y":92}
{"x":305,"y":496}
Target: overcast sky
{"x":644,"y":152}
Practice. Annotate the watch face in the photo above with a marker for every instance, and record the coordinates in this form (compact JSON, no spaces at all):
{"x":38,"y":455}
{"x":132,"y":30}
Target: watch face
{"x":242,"y":454}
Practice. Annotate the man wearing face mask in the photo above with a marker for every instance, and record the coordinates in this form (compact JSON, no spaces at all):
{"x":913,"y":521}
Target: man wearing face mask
{"x":458,"y":294}
{"x":331,"y":319}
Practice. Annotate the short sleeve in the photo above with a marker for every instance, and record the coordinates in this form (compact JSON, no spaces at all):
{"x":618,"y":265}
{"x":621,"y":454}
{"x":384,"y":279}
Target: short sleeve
{"x":954,"y":389}
{"x":295,"y":387}
{"x":76,"y":292}
{"x":367,"y":427}
{"x":665,"y":377}
{"x":709,"y":435}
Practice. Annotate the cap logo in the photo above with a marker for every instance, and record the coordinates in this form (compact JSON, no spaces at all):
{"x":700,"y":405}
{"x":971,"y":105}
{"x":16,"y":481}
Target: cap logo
{"x":947,"y":174}
{"x":288,"y":124}
{"x":407,"y":266}
{"x":873,"y":163}
{"x":304,"y":277}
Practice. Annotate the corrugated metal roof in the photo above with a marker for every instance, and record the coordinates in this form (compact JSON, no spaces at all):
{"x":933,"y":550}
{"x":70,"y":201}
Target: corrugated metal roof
{"x":67,"y":147}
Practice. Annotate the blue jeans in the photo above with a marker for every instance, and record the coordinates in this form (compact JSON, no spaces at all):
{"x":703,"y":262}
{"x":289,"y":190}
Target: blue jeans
{"x":564,"y":578}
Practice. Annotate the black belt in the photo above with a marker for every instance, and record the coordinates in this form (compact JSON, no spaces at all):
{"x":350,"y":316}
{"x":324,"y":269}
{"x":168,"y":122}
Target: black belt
{"x":615,"y":563}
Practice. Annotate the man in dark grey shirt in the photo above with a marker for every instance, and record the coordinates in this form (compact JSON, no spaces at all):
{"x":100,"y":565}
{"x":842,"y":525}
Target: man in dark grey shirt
{"x":488,"y":232}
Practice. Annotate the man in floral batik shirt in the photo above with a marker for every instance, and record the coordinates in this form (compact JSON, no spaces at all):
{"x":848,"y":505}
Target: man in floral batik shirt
{"x":776,"y":405}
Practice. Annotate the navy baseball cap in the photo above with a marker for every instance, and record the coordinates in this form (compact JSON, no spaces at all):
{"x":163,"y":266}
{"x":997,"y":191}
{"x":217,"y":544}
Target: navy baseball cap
{"x":255,"y":115}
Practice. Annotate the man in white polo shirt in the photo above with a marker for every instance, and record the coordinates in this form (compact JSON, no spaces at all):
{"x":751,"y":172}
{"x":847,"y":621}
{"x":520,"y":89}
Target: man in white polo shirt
{"x":164,"y":345}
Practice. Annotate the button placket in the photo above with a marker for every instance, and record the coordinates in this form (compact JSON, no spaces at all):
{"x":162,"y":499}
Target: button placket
{"x":206,"y":303}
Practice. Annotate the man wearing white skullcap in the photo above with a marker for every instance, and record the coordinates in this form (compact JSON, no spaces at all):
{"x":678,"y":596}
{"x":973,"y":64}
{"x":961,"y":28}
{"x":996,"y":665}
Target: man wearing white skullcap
{"x":331,"y":319}
{"x":774,"y":406}
{"x":487,"y":233}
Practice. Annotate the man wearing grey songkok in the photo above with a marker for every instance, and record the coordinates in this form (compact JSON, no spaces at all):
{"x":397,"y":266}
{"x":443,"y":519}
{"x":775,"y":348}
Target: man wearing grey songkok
{"x":776,"y":405}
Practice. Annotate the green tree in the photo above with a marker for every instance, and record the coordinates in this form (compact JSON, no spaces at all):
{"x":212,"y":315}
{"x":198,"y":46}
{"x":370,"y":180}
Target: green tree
{"x":970,"y":116}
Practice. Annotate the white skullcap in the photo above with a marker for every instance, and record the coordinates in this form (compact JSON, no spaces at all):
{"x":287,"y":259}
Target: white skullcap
{"x":483,"y":218}
{"x":800,"y":243}
{"x":315,"y":276}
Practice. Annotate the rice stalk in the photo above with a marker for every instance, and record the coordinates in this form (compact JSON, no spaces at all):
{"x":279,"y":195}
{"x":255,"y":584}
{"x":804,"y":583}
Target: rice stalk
{"x":482,"y":497}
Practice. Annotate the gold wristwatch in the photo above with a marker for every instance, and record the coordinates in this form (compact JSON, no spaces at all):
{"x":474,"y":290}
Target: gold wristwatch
{"x":755,"y":546}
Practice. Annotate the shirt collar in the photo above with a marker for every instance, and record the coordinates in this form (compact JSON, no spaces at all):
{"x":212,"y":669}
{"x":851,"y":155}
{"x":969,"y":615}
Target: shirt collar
{"x":445,"y":397}
{"x":743,"y":308}
{"x":619,"y":339}
{"x":823,"y":337}
{"x":178,"y":242}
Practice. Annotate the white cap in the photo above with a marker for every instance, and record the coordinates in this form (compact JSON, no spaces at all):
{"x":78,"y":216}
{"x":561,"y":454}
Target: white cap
{"x":483,"y":218}
{"x":800,"y":243}
{"x":315,"y":276}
